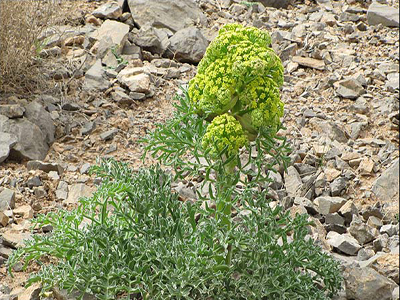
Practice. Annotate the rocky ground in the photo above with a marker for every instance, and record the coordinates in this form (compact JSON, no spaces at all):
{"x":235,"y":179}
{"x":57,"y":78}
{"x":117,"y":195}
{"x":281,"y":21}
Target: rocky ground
{"x":115,"y":81}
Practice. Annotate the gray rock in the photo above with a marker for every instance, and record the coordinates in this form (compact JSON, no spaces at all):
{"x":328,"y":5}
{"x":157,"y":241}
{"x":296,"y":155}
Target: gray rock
{"x":337,"y":186}
{"x":293,"y":182}
{"x":330,"y":129}
{"x":7,"y":141}
{"x":12,"y":110}
{"x":108,"y":135}
{"x":152,"y":40}
{"x":386,"y":188}
{"x":85,"y":168}
{"x":343,"y":242}
{"x":382,"y":14}
{"x":334,"y":218}
{"x":36,"y":113}
{"x":31,"y":141}
{"x":362,"y":232}
{"x":392,"y":83}
{"x":381,"y":242}
{"x":367,"y":284}
{"x":307,"y":204}
{"x":96,"y":79}
{"x":46,"y":167}
{"x":349,"y":88}
{"x":62,"y":190}
{"x":374,"y":222}
{"x":327,"y":204}
{"x":110,"y":10}
{"x":275,"y":3}
{"x":34,"y":181}
{"x":187,"y":45}
{"x":70,"y":106}
{"x":88,"y":127}
{"x":7,"y":199}
{"x":276,"y":180}
{"x":77,"y":191}
{"x":111,"y":34}
{"x":390,"y":229}
{"x":171,"y":14}
{"x":365,"y":254}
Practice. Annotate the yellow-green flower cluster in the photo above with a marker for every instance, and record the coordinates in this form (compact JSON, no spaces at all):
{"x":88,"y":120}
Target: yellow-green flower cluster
{"x":240,"y":75}
{"x":224,"y":131}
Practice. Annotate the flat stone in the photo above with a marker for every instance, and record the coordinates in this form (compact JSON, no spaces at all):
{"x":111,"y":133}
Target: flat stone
{"x":109,"y":134}
{"x":374,"y":222}
{"x":12,"y":110}
{"x":14,"y":239}
{"x":96,"y":78}
{"x":331,"y":174}
{"x":7,"y":199}
{"x":135,"y":80}
{"x":337,"y":186}
{"x":349,"y":88}
{"x":362,"y":232}
{"x":24,"y":211}
{"x":367,"y":284}
{"x":334,"y":218}
{"x":386,"y":188}
{"x":31,"y":141}
{"x":110,"y":10}
{"x":366,"y":166}
{"x":166,"y":13}
{"x":382,"y":14}
{"x":327,"y":204}
{"x":3,"y":219}
{"x":309,"y":62}
{"x":36,"y":113}
{"x":88,"y":127}
{"x":7,"y":141}
{"x":46,"y":167}
{"x":77,"y":191}
{"x":187,"y":45}
{"x":293,"y":182}
{"x":343,"y":242}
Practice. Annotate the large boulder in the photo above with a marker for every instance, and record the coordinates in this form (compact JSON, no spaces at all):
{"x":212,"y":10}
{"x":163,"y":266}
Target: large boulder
{"x":187,"y":45}
{"x":36,"y":113}
{"x":171,"y":14}
{"x":7,"y":141}
{"x":31,"y":141}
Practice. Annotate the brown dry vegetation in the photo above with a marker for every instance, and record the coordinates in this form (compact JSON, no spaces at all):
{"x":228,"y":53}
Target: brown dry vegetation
{"x":21,"y":24}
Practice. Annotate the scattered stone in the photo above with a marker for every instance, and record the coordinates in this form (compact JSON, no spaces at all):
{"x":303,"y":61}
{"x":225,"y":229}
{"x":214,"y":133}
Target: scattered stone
{"x":88,"y":127}
{"x":62,"y":190}
{"x":326,"y":204}
{"x":276,"y":180}
{"x":330,"y":129}
{"x":96,"y":78}
{"x":337,"y":186}
{"x":390,"y":229}
{"x":31,"y":141}
{"x":7,"y":141}
{"x":381,"y":242}
{"x":40,"y":192}
{"x":33,"y":182}
{"x":362,"y":232}
{"x":135,"y":80}
{"x":187,"y":45}
{"x":14,"y":239}
{"x":12,"y":110}
{"x":85,"y":168}
{"x":7,"y":199}
{"x":111,"y":34}
{"x":365,"y":254}
{"x":293,"y":182}
{"x":24,"y":211}
{"x":3,"y":219}
{"x":334,"y":218}
{"x":349,"y":88}
{"x":382,"y":14}
{"x":166,"y":13}
{"x":110,"y":10}
{"x":70,"y":106}
{"x":46,"y":167}
{"x":367,"y":284}
{"x":374,"y":222}
{"x":77,"y":191}
{"x":343,"y":242}
{"x":109,"y":135}
{"x":309,"y":62}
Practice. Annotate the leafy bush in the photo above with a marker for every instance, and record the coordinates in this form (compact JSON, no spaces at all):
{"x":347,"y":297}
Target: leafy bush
{"x":142,"y":241}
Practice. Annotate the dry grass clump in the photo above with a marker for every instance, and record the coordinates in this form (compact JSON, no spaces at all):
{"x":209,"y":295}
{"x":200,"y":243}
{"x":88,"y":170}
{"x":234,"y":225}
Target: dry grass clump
{"x":21,"y":23}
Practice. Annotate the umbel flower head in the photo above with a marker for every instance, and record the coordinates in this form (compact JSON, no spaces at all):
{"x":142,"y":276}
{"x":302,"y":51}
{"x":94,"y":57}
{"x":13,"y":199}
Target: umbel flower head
{"x":224,"y":132}
{"x":240,"y":75}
